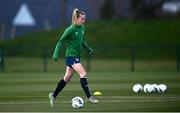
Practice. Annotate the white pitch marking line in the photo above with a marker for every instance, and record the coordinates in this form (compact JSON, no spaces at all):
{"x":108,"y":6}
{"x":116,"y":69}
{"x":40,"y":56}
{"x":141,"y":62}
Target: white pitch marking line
{"x":138,"y":97}
{"x":117,"y":101}
{"x":121,"y":97}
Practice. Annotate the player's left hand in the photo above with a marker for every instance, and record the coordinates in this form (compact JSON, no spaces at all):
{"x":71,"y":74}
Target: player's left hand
{"x":54,"y":59}
{"x":91,"y":52}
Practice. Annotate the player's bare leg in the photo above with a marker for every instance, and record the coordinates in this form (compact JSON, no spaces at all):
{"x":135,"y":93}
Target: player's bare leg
{"x":83,"y":79}
{"x":67,"y":77}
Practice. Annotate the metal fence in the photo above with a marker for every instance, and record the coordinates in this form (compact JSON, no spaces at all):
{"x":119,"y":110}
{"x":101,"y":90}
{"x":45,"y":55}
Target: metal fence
{"x":123,"y":57}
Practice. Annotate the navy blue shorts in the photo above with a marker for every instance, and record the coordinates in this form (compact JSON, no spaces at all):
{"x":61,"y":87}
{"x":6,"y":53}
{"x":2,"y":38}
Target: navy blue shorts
{"x":72,"y":60}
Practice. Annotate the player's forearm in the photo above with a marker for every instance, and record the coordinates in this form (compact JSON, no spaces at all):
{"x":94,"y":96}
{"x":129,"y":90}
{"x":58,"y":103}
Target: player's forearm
{"x":87,"y":47}
{"x":56,"y":51}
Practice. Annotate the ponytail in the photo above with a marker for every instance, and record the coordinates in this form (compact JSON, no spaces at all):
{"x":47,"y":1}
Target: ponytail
{"x":76,"y":14}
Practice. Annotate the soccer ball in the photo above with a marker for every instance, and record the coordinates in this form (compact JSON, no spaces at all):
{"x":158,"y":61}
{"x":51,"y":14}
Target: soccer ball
{"x":77,"y":102}
{"x":148,"y":88}
{"x":155,"y":87}
{"x":137,"y":88}
{"x":161,"y":88}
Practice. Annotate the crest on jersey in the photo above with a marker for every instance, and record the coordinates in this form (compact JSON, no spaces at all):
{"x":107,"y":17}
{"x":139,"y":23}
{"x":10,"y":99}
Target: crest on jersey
{"x":77,"y":59}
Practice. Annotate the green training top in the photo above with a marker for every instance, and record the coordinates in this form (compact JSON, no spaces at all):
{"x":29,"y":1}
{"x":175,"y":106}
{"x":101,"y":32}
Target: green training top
{"x":74,"y":35}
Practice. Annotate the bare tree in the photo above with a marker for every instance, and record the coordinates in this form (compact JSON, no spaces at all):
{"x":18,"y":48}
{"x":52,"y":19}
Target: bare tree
{"x":107,"y":10}
{"x":145,"y":8}
{"x":63,"y":8}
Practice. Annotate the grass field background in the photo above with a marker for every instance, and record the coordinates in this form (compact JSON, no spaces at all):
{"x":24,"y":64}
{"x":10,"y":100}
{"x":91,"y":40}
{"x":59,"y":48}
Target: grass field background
{"x":25,"y":64}
{"x":26,"y":90}
{"x":24,"y":86}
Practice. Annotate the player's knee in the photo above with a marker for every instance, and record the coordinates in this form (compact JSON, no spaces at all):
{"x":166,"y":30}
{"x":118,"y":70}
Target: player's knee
{"x":67,"y":79}
{"x":83,"y":74}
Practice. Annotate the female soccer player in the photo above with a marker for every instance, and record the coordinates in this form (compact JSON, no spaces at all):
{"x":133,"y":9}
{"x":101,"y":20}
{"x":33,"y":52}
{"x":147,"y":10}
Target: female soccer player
{"x":74,"y":36}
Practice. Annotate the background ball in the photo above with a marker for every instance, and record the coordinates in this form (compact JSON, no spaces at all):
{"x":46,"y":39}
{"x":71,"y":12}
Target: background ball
{"x":150,"y":88}
{"x":155,"y":87}
{"x":137,"y":88}
{"x":162,"y":88}
{"x":145,"y":88}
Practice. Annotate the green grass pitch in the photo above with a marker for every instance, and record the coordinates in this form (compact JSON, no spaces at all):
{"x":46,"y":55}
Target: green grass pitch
{"x":28,"y":92}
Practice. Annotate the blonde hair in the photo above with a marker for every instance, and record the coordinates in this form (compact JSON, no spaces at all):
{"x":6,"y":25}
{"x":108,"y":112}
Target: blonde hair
{"x":75,"y":15}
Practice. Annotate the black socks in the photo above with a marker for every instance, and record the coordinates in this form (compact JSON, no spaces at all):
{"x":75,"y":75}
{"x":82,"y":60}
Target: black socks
{"x":59,"y":87}
{"x":85,"y":87}
{"x":62,"y":84}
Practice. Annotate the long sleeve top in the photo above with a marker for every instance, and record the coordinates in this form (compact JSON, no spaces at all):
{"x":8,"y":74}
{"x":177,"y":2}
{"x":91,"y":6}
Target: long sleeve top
{"x":74,"y":36}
